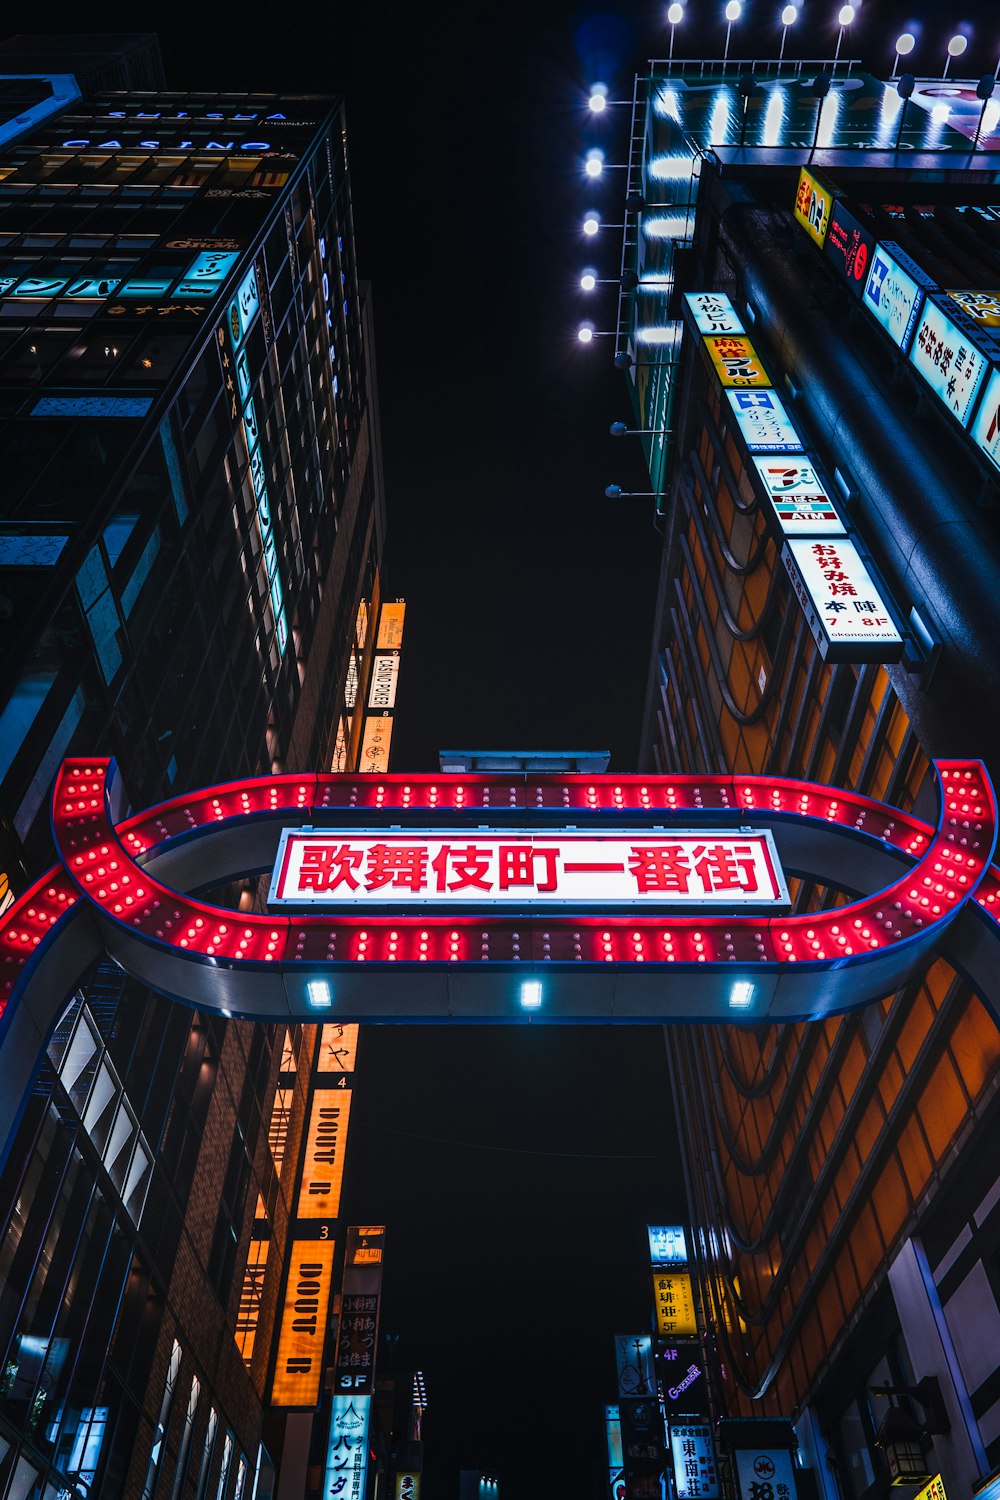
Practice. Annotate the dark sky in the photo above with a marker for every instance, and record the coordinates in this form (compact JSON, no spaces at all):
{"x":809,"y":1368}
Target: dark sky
{"x":515,"y":1169}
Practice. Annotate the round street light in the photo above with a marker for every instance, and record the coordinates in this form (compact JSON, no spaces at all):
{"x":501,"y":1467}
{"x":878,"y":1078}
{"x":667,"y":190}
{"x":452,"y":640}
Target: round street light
{"x":789,"y":16}
{"x":585,"y":333}
{"x":591,"y":224}
{"x":588,"y":281}
{"x":956,"y":47}
{"x":598,"y":100}
{"x":674,"y":13}
{"x":734,"y":9}
{"x":594,"y":165}
{"x":845,"y":16}
{"x":904,"y":46}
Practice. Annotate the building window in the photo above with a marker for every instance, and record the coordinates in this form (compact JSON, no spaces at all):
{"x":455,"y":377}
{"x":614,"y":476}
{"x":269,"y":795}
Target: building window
{"x":160,"y":1436}
{"x":184,"y":1452}
{"x":207,"y":1454}
{"x":227,"y":1459}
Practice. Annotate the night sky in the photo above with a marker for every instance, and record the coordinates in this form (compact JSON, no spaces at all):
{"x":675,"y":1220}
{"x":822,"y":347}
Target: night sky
{"x":515,"y":1168}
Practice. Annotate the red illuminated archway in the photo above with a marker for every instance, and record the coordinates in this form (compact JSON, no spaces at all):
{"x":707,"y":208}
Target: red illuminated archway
{"x":122,"y":888}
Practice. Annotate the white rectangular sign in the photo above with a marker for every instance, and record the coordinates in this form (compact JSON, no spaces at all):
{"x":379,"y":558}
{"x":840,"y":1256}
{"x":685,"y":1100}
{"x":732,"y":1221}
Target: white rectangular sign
{"x":843,"y":607}
{"x":763,"y":421}
{"x":798,"y":497}
{"x":713,"y":312}
{"x":385,"y":675}
{"x":986,"y":427}
{"x":765,"y":1474}
{"x":695,"y":1474}
{"x":892,"y":294}
{"x":948,"y":360}
{"x":667,"y":1246}
{"x":462,"y":866}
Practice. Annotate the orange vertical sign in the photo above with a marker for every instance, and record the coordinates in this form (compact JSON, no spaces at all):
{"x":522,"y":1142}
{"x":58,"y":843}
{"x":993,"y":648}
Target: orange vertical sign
{"x":323,"y":1168}
{"x":299,"y":1365}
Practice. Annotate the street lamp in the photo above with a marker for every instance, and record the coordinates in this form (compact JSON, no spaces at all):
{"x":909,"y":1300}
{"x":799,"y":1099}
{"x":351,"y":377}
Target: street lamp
{"x":588,"y":281}
{"x":904,"y":46}
{"x":844,"y":16}
{"x":674,"y":14}
{"x":598,"y":100}
{"x":956,"y":47}
{"x":789,"y":16}
{"x":734,"y":9}
{"x":594,"y":165}
{"x":591,"y":224}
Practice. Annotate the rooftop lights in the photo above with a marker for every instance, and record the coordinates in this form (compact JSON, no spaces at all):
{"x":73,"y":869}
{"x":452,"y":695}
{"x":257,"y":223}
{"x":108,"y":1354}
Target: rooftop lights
{"x":956,"y":47}
{"x":531,"y":994}
{"x":318,"y":993}
{"x":585,"y":333}
{"x":598,"y":100}
{"x":594,"y":165}
{"x":905,"y":44}
{"x":588,"y":281}
{"x":846,"y":15}
{"x":591,"y":224}
{"x":741,"y":995}
{"x":674,"y":13}
{"x":789,"y":15}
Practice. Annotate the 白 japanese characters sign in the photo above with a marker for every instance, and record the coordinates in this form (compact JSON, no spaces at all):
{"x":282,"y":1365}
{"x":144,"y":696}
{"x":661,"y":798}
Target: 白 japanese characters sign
{"x":461,"y":866}
{"x":674,"y":1303}
{"x":798,"y":496}
{"x":713,"y":312}
{"x":347,"y":1448}
{"x":695,"y":1474}
{"x":894,"y":292}
{"x":844,"y":610}
{"x":763,"y":421}
{"x":765,"y":1474}
{"x":949,"y":360}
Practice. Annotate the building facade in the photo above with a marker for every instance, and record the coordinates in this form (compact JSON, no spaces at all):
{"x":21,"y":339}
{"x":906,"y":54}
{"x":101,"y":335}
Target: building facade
{"x":191,"y":530}
{"x":809,"y":333}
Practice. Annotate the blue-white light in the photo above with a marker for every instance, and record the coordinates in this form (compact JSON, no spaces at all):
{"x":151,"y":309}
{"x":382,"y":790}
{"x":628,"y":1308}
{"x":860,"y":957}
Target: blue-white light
{"x":666,"y":335}
{"x":588,"y":281}
{"x":741,"y":995}
{"x":668,"y":226}
{"x":591,"y":224}
{"x":671,"y":168}
{"x":318,"y":992}
{"x":531,"y":994}
{"x":594,"y":164}
{"x":598,"y":100}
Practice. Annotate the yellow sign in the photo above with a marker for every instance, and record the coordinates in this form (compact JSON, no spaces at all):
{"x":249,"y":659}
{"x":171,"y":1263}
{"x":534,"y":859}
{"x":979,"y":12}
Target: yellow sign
{"x":735,"y":359}
{"x":390,"y":626}
{"x":984,"y":307}
{"x":299,"y":1365}
{"x":932,"y":1491}
{"x":674,"y":1304}
{"x":338,"y":1049}
{"x":323,"y":1168}
{"x":376,"y":742}
{"x":407,"y":1487}
{"x":813,"y":204}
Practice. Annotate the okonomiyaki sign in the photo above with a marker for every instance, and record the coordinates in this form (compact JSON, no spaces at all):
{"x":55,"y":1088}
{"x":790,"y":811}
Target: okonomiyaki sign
{"x":456,"y":867}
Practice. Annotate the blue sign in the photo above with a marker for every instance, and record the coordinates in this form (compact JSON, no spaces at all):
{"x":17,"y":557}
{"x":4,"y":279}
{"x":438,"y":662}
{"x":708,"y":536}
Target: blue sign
{"x":347,"y":1449}
{"x":667,"y":1246}
{"x":243,"y":310}
{"x":894,"y":293}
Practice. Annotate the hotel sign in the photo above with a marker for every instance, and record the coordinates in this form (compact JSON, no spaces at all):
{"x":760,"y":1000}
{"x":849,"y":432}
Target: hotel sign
{"x":844,"y":610}
{"x":456,"y":868}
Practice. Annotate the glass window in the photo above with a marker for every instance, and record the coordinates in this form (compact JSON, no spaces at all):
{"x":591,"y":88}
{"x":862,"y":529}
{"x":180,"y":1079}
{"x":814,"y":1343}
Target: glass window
{"x":207,"y":1451}
{"x":159,"y":1437}
{"x":184,"y":1452}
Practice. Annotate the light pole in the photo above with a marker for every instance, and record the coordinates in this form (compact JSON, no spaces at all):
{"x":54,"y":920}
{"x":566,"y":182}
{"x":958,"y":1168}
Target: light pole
{"x":789,"y":16}
{"x":904,"y":46}
{"x":844,"y":16}
{"x":734,"y":9}
{"x":956,"y":47}
{"x":674,"y":13}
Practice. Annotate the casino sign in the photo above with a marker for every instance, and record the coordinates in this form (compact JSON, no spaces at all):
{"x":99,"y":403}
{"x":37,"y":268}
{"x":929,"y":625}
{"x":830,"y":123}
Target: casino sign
{"x":500,"y":898}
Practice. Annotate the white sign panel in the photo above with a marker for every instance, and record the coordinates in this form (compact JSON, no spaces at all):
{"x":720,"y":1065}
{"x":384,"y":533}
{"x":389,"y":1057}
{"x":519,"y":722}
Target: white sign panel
{"x":713,"y":312}
{"x":986,"y":427}
{"x":666,"y":1245}
{"x":385,"y":675}
{"x":948,"y":360}
{"x":462,"y":866}
{"x":763,"y":421}
{"x":892,"y":295}
{"x":843,"y":608}
{"x":347,"y":1448}
{"x":695,"y":1474}
{"x":798,"y":497}
{"x":765,"y":1474}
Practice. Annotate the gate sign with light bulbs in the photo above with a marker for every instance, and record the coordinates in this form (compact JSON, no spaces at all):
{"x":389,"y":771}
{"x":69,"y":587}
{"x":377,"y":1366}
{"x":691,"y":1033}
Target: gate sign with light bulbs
{"x":500,"y":897}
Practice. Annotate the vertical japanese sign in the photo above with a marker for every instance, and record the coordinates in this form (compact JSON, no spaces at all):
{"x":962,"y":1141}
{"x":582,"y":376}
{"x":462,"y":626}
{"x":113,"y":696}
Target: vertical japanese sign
{"x":735,"y":360}
{"x":696,"y":1476}
{"x":813,"y":202}
{"x":674,"y":1301}
{"x":763,"y":421}
{"x":376,"y":737}
{"x":985,"y":428}
{"x":765,"y":1474}
{"x":299,"y":1362}
{"x":850,"y":247}
{"x":712,"y":312}
{"x":797,"y":496}
{"x":682,"y":1377}
{"x":844,"y":610}
{"x":616,"y":1462}
{"x":643,"y":1451}
{"x":894,"y":292}
{"x":949,"y":360}
{"x":354,"y":1373}
{"x":347,"y":1448}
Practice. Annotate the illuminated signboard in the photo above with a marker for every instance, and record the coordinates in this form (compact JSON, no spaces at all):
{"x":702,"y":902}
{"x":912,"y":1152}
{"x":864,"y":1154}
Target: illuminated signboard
{"x":338,"y":1048}
{"x":453,"y":867}
{"x":798,"y":497}
{"x":244,"y":308}
{"x":634,"y":1364}
{"x":844,"y":610}
{"x":613,"y":1426}
{"x":763,"y":421}
{"x":735,"y":360}
{"x":683,"y":1385}
{"x":667,"y":1245}
{"x":986,"y":427}
{"x":299,"y":1364}
{"x":850,"y":247}
{"x":347,"y":1448}
{"x":206,"y":273}
{"x":674,"y":1298}
{"x":695,"y":1473}
{"x":390,"y":626}
{"x":385,"y":676}
{"x":407,"y":1486}
{"x":894,"y":293}
{"x":323,"y":1168}
{"x":765,"y":1466}
{"x":982,"y":307}
{"x":948,"y":360}
{"x":813,"y":202}
{"x":376,"y":743}
{"x":713,"y":312}
{"x":936,"y":1491}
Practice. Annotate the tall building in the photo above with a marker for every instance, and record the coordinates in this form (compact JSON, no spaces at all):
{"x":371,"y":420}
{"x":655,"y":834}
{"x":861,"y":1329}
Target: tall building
{"x":191,"y":527}
{"x":809,"y":325}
